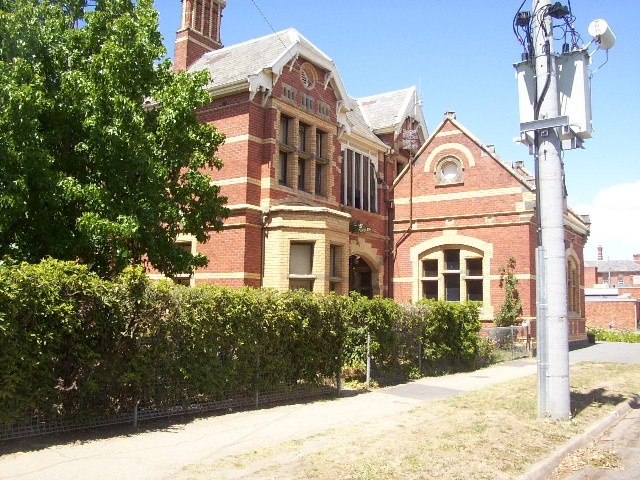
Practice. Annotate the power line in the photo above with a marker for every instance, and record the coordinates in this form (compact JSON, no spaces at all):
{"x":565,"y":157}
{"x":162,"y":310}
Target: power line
{"x":268,"y":23}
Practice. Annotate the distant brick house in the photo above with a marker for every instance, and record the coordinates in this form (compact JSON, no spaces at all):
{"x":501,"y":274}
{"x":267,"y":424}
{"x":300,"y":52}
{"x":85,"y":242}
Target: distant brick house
{"x":613,"y":293}
{"x":333,"y":193}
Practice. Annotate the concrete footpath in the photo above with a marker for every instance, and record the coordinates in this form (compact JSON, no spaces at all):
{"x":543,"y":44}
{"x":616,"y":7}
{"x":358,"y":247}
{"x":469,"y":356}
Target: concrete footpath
{"x":162,"y":454}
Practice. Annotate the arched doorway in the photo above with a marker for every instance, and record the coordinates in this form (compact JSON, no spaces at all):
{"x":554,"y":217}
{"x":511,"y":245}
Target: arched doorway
{"x":360,"y":276}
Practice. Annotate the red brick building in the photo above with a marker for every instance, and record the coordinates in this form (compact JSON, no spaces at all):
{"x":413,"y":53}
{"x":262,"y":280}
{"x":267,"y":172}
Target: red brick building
{"x":460,"y":214}
{"x":323,"y":194}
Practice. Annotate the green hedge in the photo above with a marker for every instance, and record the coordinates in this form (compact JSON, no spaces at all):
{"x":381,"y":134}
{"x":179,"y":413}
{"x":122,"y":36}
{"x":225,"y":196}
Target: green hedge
{"x":75,"y":346}
{"x":451,"y":340}
{"x":64,"y":341}
{"x":613,"y":335}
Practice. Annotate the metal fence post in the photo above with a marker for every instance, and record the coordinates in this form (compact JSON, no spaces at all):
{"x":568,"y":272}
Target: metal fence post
{"x":368,"y":359}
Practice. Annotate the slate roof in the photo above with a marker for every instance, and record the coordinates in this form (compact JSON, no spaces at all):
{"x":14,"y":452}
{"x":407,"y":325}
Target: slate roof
{"x":248,"y":62}
{"x":387,"y":111}
{"x":235,"y":63}
{"x":358,"y":122}
{"x":614,"y":265}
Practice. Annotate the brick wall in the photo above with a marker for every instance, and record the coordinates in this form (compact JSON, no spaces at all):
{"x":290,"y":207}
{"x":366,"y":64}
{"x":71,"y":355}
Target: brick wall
{"x":615,"y":313}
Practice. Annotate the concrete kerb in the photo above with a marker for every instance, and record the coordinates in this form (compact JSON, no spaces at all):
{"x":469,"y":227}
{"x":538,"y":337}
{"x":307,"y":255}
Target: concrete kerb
{"x":545,"y":467}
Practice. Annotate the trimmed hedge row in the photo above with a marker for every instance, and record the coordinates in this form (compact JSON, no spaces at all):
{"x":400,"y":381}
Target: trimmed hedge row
{"x":614,"y":335}
{"x":73,"y":345}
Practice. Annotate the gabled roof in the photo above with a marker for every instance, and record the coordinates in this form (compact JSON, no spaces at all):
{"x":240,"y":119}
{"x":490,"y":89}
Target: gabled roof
{"x":517,"y":170}
{"x":578,"y":223}
{"x":259,"y":62}
{"x":386,"y":112}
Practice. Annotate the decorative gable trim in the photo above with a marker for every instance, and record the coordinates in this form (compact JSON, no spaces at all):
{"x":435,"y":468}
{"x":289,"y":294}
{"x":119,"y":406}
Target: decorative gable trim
{"x":436,"y":154}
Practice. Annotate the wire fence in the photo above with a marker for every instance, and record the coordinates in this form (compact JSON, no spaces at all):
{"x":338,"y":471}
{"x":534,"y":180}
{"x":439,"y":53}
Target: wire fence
{"x":510,"y":343}
{"x":166,"y":395}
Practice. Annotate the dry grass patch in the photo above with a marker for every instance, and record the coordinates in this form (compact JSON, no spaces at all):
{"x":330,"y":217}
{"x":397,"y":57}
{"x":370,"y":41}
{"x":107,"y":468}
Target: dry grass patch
{"x":493,"y":433}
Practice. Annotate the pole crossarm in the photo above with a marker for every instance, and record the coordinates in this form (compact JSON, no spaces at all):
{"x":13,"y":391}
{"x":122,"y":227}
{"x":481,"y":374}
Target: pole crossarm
{"x":544,"y":123}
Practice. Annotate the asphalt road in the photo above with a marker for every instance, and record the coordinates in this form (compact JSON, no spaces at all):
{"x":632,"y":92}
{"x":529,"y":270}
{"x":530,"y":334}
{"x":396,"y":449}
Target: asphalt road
{"x":607,"y":352}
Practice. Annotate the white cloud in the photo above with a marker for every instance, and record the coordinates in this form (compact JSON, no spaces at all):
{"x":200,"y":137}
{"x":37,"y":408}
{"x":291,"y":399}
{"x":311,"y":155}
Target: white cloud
{"x":615,"y":222}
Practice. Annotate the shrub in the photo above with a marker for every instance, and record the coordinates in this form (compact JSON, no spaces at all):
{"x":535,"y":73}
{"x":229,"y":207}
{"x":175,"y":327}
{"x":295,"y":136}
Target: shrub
{"x":511,"y":308}
{"x":613,"y":335}
{"x":451,"y":336}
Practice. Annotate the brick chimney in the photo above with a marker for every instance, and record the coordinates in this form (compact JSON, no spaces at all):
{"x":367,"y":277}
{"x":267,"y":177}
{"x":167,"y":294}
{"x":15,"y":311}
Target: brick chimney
{"x":199,"y":31}
{"x":599,"y":252}
{"x":636,"y":258}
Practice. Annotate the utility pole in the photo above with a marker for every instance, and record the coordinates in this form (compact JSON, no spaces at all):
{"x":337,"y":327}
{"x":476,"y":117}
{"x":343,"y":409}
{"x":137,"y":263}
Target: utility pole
{"x":550,"y":186}
{"x":554,"y":92}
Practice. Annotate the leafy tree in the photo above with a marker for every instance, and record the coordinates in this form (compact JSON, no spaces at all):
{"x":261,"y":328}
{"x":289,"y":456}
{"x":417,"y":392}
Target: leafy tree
{"x":102,"y":158}
{"x":511,"y":309}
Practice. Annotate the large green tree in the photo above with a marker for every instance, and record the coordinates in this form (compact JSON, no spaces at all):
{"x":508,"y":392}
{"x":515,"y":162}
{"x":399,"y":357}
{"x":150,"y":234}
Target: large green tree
{"x":102,"y":158}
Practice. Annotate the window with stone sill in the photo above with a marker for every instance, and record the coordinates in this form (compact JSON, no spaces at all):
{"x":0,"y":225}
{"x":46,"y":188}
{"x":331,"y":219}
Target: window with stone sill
{"x":301,"y":265}
{"x":289,"y":93}
{"x":284,"y":136}
{"x":453,"y":275}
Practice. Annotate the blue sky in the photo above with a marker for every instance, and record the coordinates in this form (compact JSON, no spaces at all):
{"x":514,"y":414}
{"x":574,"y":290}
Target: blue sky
{"x":460,"y":53}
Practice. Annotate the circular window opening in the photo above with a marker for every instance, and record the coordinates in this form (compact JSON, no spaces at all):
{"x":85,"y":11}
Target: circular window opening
{"x":449,"y":170}
{"x":307,"y":77}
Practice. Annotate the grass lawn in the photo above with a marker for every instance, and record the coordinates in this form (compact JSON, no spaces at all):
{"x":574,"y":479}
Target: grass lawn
{"x":493,"y":433}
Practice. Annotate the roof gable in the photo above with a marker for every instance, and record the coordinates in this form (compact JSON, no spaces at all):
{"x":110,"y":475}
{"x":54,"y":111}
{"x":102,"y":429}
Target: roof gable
{"x":257,"y":64}
{"x":449,"y":122}
{"x":386,"y":112}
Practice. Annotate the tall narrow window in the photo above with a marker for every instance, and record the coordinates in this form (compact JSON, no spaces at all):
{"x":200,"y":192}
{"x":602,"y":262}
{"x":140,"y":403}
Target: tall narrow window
{"x":348,"y":172}
{"x":302,"y":165}
{"x":320,"y":138}
{"x":359,"y":181}
{"x":573,"y":287}
{"x":284,"y":129}
{"x":430,"y":279}
{"x":302,"y":137}
{"x":283,"y":168}
{"x":319,"y":179}
{"x":473,"y":279}
{"x":452,"y":275}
